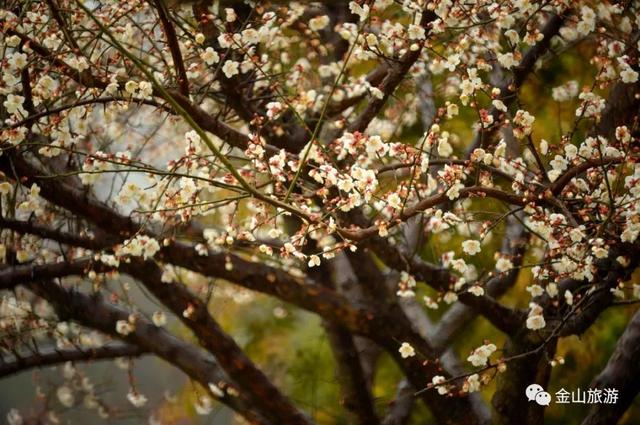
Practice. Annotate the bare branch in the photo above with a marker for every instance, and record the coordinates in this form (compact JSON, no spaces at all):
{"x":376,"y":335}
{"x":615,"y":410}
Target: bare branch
{"x":264,"y":395}
{"x":55,"y":357}
{"x":63,"y":237}
{"x":350,"y":367}
{"x":17,"y":275}
{"x":96,"y":313}
{"x":174,"y":46}
{"x":620,"y":373}
{"x":401,"y":407}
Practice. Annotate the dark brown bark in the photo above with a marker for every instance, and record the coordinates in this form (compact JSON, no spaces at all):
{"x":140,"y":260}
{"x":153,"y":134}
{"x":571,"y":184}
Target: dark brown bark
{"x":421,"y":368}
{"x":621,"y":373}
{"x":401,"y":407}
{"x":356,"y":395}
{"x":355,"y":384}
{"x":94,"y":312}
{"x":174,"y":46}
{"x":509,"y":401}
{"x":257,"y":387}
{"x":44,"y":358}
{"x":256,"y":276}
{"x":15,"y":275}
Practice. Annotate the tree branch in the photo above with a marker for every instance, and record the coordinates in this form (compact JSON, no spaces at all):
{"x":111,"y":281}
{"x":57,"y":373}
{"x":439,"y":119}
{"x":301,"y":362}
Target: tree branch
{"x":55,"y":357}
{"x":401,"y":407}
{"x":350,"y":371}
{"x":509,"y":89}
{"x":394,"y":76}
{"x":458,"y":315}
{"x":17,"y":275}
{"x":94,"y":312}
{"x":255,"y":276}
{"x":620,"y":373}
{"x":418,"y":369}
{"x":258,"y":388}
{"x":66,"y":238}
{"x":174,"y":46}
{"x":87,"y":79}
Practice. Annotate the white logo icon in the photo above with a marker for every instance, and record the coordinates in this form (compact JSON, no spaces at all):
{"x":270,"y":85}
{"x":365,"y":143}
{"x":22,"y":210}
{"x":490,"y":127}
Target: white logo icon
{"x":536,"y":393}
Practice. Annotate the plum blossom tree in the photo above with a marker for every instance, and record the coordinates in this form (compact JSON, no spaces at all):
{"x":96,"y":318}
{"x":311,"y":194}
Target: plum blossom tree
{"x":393,"y":167}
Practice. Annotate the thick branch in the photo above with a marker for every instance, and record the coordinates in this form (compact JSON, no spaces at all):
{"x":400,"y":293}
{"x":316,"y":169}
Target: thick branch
{"x":565,"y":179}
{"x":419,"y":369}
{"x":350,"y":371}
{"x":504,"y":318}
{"x":265,"y":396}
{"x":401,"y":407}
{"x":360,"y":234}
{"x":94,"y":312}
{"x":174,"y":46}
{"x":355,"y":388}
{"x":609,"y":274}
{"x":301,"y":292}
{"x":55,"y":357}
{"x":16,"y":275}
{"x":621,"y":373}
{"x":53,"y":234}
{"x":458,"y":315}
{"x":448,"y":359}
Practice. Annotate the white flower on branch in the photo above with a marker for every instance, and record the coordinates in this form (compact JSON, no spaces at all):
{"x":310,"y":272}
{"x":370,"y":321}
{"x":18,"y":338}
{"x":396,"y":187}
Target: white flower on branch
{"x":136,"y":399}
{"x":203,"y":405}
{"x":535,"y":319}
{"x":124,"y":328}
{"x":230,"y":68}
{"x":438,"y":382}
{"x":406,"y":350}
{"x":210,"y":56}
{"x":65,"y":396}
{"x":480,"y":356}
{"x":471,"y":247}
{"x":318,"y":23}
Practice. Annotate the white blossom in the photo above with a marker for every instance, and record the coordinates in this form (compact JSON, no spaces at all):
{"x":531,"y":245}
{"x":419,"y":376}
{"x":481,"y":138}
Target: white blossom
{"x":503,"y":264}
{"x":318,"y":23}
{"x":230,"y":68}
{"x":314,"y":261}
{"x":471,"y":247}
{"x":476,"y":290}
{"x":14,"y":103}
{"x":123,"y":327}
{"x":438,"y":381}
{"x":17,"y":60}
{"x":159,"y":318}
{"x":480,"y":356}
{"x":65,"y":396}
{"x":472,"y":383}
{"x":406,"y":350}
{"x":14,"y":417}
{"x":136,"y":399}
{"x":210,"y":56}
{"x":416,"y":32}
{"x":535,"y":319}
{"x":203,"y":405}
